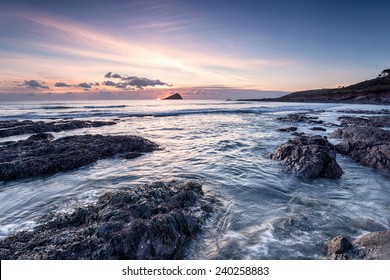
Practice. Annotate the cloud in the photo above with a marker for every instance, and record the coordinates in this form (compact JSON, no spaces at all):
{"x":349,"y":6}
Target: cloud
{"x":34,"y":84}
{"x":132,"y":81}
{"x":84,"y":85}
{"x":117,"y":85}
{"x":114,"y":76}
{"x":61,"y":84}
{"x":110,"y":83}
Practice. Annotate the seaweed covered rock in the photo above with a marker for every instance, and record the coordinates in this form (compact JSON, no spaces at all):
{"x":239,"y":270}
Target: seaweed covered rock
{"x":309,"y":157}
{"x":373,"y":246}
{"x":156,"y":221}
{"x":377,"y":121}
{"x":16,"y":127}
{"x":300,"y":117}
{"x":368,"y":146}
{"x":40,"y":155}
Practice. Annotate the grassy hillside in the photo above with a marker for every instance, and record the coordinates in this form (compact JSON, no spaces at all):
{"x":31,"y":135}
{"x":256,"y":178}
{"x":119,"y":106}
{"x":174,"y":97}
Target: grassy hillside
{"x":373,"y":91}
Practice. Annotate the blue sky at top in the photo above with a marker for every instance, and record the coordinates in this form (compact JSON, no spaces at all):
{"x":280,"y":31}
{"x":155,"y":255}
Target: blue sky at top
{"x":264,"y":45}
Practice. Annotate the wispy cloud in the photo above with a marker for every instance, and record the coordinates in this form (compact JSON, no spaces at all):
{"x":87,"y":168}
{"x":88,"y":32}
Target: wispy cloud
{"x":85,"y":47}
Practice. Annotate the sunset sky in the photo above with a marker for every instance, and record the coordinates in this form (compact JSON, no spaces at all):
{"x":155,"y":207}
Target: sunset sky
{"x":200,"y":48}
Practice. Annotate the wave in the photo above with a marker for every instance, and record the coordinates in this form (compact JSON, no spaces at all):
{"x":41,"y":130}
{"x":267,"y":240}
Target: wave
{"x":56,"y":107}
{"x":208,"y":112}
{"x":61,"y":107}
{"x":99,"y":113}
{"x":105,"y":107}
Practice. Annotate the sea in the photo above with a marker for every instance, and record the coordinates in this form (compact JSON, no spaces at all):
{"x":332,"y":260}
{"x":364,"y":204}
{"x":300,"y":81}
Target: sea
{"x":263,"y":210}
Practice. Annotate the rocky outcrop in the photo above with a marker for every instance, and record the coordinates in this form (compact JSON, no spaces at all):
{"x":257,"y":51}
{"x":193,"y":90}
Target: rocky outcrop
{"x":366,"y":112}
{"x":156,"y":221}
{"x":378,"y":121}
{"x":309,"y":157}
{"x":300,"y":117}
{"x":15,"y":127}
{"x":39,"y":155}
{"x":318,"y":128}
{"x":287,"y":129}
{"x":373,"y":246}
{"x":176,"y":96}
{"x":368,"y":146}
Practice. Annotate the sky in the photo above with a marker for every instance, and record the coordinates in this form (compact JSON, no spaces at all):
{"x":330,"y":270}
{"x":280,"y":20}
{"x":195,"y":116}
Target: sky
{"x":202,"y":49}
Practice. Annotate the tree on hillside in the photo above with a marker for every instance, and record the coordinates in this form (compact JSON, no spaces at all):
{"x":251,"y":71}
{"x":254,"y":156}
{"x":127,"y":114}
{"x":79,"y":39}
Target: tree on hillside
{"x":384,"y":73}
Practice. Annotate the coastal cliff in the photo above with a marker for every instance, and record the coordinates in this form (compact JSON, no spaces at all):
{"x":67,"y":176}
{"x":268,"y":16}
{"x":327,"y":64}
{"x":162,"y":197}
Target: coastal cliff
{"x":374,"y":91}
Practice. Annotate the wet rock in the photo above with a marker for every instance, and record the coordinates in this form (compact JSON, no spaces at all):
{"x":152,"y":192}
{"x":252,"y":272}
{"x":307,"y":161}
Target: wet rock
{"x":156,"y":221}
{"x":288,"y":129}
{"x":298,"y":134}
{"x":373,"y":246}
{"x":378,"y":121}
{"x":368,"y":146}
{"x":41,"y":136}
{"x":309,"y":157}
{"x":299,"y":117}
{"x":339,"y":245}
{"x":15,"y":127}
{"x":318,"y":128}
{"x":39,"y":155}
{"x":366,"y":112}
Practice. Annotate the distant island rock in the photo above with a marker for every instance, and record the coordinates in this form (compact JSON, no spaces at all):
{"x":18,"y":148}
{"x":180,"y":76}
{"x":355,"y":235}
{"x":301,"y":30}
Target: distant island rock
{"x":374,"y":91}
{"x":175,"y":96}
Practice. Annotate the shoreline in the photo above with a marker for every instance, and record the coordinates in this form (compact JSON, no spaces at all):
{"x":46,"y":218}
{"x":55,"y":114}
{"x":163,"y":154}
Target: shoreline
{"x":308,"y":141}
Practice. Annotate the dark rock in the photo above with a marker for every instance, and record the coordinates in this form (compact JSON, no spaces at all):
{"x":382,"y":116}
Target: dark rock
{"x":41,"y":137}
{"x":318,"y":128}
{"x":373,"y":246}
{"x":288,"y":129}
{"x":366,"y":112}
{"x":378,"y":121}
{"x":368,"y":146}
{"x":339,"y":245}
{"x":14,"y":127}
{"x":298,"y":134}
{"x":156,"y":221}
{"x":309,"y":157}
{"x":31,"y":157}
{"x":176,"y":96}
{"x":299,"y":117}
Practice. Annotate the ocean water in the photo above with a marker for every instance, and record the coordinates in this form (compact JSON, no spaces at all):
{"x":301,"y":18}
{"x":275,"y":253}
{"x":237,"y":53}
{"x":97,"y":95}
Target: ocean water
{"x":264,"y":211}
